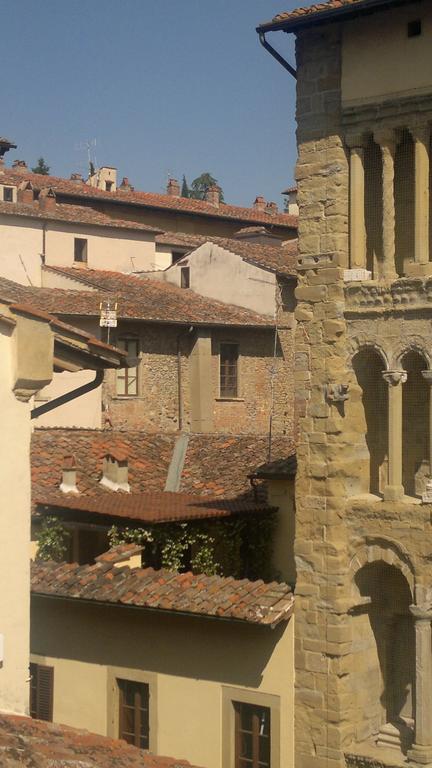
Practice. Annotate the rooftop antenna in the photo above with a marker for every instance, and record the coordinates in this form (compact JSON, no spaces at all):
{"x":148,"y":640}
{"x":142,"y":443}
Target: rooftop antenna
{"x":88,"y":146}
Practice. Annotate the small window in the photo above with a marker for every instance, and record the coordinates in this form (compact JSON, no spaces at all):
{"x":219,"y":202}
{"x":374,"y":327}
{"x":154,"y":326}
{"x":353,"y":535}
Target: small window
{"x":176,"y":256}
{"x":80,"y":250}
{"x":184,"y":277}
{"x":229,"y":355}
{"x":8,"y":194}
{"x":41,"y":692}
{"x":109,"y":185}
{"x":134,"y":713}
{"x":414,"y":28}
{"x":127,"y":378}
{"x":252,"y":736}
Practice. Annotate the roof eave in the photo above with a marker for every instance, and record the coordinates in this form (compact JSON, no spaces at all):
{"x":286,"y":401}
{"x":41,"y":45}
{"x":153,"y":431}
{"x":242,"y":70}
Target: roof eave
{"x":343,"y":13}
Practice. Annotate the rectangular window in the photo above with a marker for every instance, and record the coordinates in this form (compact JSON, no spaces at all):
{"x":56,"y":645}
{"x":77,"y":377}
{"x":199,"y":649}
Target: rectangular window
{"x":184,"y":277}
{"x":41,"y":692}
{"x":229,"y":355}
{"x":252,"y":736}
{"x":109,"y":185}
{"x":127,"y":378}
{"x":8,"y":194}
{"x":134,"y":713}
{"x":80,"y":250}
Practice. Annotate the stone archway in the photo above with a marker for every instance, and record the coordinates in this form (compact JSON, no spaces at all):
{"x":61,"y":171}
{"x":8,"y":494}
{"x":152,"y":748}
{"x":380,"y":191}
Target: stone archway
{"x":383,"y":676}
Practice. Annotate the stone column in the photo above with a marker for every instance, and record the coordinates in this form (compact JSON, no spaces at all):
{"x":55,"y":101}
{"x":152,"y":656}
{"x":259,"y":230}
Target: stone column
{"x":421,"y":751}
{"x":427,"y":495}
{"x":421,"y":136}
{"x":394,"y":490}
{"x":357,"y":203}
{"x":387,"y":143}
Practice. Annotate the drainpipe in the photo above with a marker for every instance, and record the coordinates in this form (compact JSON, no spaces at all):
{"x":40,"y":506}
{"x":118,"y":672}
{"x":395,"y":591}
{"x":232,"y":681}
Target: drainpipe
{"x":68,"y":396}
{"x":179,"y":377}
{"x":275,"y":54}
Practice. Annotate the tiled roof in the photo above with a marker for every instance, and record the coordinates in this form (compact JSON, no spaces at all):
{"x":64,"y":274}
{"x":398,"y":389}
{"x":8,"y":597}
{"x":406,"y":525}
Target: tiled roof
{"x":279,"y":258}
{"x":149,"y":199}
{"x":137,"y":298}
{"x":156,"y":507}
{"x":280,"y":468}
{"x":215,"y":465}
{"x":312,"y":12}
{"x":253,"y":602}
{"x":27,"y":743}
{"x":75,"y":214}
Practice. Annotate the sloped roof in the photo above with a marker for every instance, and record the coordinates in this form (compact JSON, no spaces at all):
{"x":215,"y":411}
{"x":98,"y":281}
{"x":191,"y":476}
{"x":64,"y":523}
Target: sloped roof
{"x":156,"y":507}
{"x":73,"y":214}
{"x":280,"y":258}
{"x":253,"y":602}
{"x":318,"y":12}
{"x":80,"y":189}
{"x":28,"y":743}
{"x":137,"y":298}
{"x":215,"y":465}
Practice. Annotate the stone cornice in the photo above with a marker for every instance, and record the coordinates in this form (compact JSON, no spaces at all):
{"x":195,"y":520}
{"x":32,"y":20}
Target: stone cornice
{"x":408,"y":294}
{"x":392,"y":113}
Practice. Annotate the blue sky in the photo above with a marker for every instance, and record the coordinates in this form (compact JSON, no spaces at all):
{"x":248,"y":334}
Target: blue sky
{"x":163,"y":86}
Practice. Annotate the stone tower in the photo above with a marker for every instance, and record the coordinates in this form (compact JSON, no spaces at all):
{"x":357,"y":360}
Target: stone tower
{"x":363,"y":383}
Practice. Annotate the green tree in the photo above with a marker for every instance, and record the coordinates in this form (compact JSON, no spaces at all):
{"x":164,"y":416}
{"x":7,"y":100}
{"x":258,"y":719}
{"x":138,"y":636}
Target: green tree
{"x":41,"y":167}
{"x":201,"y":184}
{"x":53,"y":540}
{"x":185,"y":191}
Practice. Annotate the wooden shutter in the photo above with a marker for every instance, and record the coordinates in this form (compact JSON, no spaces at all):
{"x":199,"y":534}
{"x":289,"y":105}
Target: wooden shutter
{"x":41,"y":691}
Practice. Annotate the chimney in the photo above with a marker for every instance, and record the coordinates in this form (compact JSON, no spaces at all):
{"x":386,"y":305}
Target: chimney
{"x":260,"y":203}
{"x":20,"y":166}
{"x":125,"y":185}
{"x":115,"y":470}
{"x":25,"y":193}
{"x":69,"y":474}
{"x":271,"y":208}
{"x":173,"y":188}
{"x":47,"y":199}
{"x":212,"y":195}
{"x":77,"y":177}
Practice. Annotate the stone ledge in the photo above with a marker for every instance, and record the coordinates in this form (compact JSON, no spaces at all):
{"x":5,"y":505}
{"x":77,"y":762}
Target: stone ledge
{"x":368,"y":761}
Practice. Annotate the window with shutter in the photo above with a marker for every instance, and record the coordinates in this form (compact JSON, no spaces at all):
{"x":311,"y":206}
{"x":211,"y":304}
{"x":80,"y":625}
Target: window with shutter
{"x":41,"y":691}
{"x":134,"y":713}
{"x":228,"y":379}
{"x":127,"y":378}
{"x":252,"y":736}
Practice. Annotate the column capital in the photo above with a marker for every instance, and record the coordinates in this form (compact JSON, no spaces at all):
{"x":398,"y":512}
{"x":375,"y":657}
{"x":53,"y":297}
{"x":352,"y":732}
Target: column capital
{"x":421,"y":133}
{"x":421,"y":614}
{"x":427,"y":375}
{"x":394,"y":378}
{"x":386,"y":138}
{"x":356,"y":140}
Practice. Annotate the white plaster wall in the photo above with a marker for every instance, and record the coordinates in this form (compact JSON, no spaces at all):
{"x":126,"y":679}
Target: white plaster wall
{"x":83,"y":412}
{"x":14,"y":539}
{"x":20,"y":249}
{"x":222,"y":275}
{"x":380,"y":60}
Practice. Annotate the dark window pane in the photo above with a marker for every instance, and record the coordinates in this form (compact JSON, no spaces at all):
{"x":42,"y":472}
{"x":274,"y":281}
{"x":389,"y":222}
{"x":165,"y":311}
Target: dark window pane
{"x":134,"y":712}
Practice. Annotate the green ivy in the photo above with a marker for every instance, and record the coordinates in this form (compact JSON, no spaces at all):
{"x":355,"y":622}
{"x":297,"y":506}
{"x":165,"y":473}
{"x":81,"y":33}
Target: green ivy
{"x":53,"y":540}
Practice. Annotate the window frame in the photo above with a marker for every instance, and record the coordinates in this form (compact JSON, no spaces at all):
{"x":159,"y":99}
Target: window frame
{"x":230,"y":696}
{"x":113,"y":700}
{"x":185,"y":270}
{"x":84,"y":252}
{"x":10,"y":191}
{"x":141,"y":704}
{"x":38,"y":670}
{"x":123,"y":374}
{"x":223,"y":394}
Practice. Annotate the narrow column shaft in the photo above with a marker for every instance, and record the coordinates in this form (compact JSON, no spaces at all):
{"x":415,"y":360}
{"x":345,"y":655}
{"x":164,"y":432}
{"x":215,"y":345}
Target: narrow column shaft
{"x":394,"y":490}
{"x":357,"y":209}
{"x":427,"y":495}
{"x":421,"y":751}
{"x":388,"y":146}
{"x":421,"y":229}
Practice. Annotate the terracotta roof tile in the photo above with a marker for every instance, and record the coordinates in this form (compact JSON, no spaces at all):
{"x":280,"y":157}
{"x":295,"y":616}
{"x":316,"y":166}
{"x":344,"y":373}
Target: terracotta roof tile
{"x":215,"y":596}
{"x":36,"y":744}
{"x":81,"y":190}
{"x":313,"y":12}
{"x":137,"y":298}
{"x":280,"y":258}
{"x":156,"y":507}
{"x":215,"y":465}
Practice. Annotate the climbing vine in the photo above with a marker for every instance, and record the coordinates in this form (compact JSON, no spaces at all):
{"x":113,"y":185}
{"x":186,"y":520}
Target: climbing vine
{"x":53,"y":540}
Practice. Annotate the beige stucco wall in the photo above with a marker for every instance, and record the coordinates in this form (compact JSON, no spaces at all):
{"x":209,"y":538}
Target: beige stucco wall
{"x":380,"y":61}
{"x":14,"y":537}
{"x":20,"y":248}
{"x":191,"y":665}
{"x":220,"y":274}
{"x":281,"y":495}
